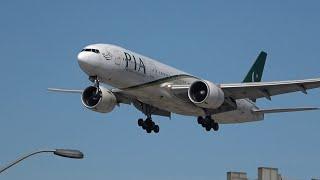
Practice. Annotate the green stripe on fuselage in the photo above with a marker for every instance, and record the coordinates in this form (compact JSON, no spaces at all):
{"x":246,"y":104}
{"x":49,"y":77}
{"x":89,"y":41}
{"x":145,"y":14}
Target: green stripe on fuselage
{"x":158,"y":81}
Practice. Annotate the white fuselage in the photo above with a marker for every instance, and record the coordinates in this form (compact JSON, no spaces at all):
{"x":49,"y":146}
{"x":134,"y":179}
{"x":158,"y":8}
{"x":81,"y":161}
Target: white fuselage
{"x":124,"y":69}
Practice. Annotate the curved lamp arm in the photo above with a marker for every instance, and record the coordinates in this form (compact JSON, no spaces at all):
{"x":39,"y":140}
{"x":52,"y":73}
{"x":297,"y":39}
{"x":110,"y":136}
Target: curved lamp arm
{"x":75,"y":154}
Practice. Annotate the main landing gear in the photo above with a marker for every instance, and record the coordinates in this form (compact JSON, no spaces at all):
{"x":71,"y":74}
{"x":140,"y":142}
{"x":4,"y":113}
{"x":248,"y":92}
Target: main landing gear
{"x":148,"y":125}
{"x":208,"y":123}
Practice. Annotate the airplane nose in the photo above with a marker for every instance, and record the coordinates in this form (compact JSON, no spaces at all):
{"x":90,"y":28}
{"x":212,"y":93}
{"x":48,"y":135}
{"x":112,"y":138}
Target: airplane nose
{"x":85,"y":62}
{"x":82,"y":58}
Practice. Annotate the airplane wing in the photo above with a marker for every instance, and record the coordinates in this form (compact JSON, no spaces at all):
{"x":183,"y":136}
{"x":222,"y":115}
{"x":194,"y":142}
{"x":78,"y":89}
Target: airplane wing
{"x":121,"y":97}
{"x":257,"y":90}
{"x":65,"y":90}
{"x":281,"y":110}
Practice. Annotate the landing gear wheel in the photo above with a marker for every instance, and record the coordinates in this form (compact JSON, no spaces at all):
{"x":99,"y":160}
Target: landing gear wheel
{"x":144,"y":126}
{"x":200,"y":120}
{"x":208,"y":123}
{"x":140,"y":122}
{"x":215,"y":127}
{"x":148,"y":125}
{"x":148,"y":130}
{"x":156,"y":129}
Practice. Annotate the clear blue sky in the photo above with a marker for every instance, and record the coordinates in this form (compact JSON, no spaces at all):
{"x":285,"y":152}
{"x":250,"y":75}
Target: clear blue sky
{"x":216,"y":40}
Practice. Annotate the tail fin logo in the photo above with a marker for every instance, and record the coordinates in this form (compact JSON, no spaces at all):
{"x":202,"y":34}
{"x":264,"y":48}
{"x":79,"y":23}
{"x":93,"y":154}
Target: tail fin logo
{"x":254,"y":77}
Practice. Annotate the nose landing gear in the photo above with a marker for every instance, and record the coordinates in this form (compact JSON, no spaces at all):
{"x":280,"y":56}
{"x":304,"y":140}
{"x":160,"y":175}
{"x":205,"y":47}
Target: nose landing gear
{"x":148,"y":125}
{"x":95,"y":81}
{"x":208,"y":123}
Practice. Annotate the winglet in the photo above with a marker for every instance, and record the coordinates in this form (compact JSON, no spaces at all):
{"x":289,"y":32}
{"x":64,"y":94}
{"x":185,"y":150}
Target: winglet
{"x":256,"y":71}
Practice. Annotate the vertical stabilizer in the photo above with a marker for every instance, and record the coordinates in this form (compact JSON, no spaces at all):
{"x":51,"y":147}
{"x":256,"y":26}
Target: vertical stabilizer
{"x":256,"y":71}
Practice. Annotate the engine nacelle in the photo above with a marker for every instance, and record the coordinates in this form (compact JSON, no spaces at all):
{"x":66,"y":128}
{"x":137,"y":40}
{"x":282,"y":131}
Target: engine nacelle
{"x":206,"y":94}
{"x":100,"y":100}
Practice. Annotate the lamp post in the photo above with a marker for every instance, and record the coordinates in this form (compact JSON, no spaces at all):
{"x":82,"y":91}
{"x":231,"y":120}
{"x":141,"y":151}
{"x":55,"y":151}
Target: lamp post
{"x":67,"y":153}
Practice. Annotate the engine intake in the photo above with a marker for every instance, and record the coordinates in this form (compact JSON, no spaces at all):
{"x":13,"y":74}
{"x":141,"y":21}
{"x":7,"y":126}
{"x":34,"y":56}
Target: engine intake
{"x":100,"y":100}
{"x":206,"y":94}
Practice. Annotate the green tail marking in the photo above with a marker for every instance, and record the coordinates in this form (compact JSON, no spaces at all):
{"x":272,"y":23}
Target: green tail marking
{"x":256,"y":71}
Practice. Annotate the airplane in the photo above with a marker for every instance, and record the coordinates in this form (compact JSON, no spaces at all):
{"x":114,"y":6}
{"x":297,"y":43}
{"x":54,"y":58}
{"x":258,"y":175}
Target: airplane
{"x":158,"y":89}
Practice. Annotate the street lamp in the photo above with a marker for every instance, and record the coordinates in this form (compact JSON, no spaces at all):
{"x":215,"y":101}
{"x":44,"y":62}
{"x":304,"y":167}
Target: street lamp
{"x":67,"y":153}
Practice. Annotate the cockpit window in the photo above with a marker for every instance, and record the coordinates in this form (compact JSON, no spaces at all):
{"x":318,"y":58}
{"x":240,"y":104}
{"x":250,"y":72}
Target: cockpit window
{"x":91,"y":50}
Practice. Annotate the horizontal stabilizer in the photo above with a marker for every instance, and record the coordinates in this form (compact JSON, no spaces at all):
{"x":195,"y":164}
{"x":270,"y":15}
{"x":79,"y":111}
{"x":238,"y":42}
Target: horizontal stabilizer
{"x":286,"y":110}
{"x":65,"y":90}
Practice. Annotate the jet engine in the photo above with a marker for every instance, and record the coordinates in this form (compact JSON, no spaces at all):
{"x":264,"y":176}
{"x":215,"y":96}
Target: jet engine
{"x":206,"y":94}
{"x":99,"y":99}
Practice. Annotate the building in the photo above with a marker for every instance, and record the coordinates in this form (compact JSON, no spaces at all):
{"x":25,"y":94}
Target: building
{"x":267,"y":173}
{"x":237,"y":176}
{"x":264,"y":173}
